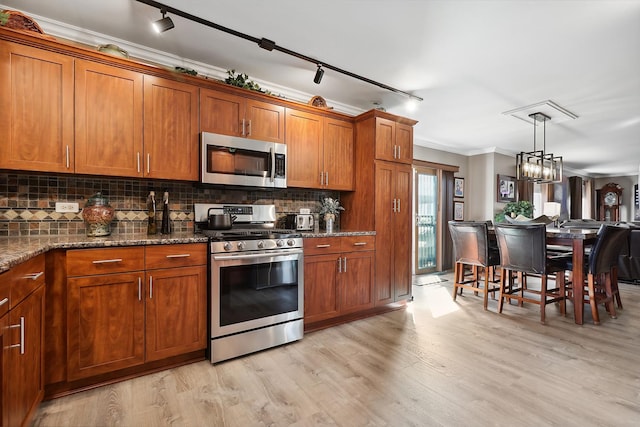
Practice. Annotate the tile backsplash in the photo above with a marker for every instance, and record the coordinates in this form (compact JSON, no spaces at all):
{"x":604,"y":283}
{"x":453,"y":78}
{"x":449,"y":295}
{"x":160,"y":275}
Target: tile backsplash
{"x":27,"y":201}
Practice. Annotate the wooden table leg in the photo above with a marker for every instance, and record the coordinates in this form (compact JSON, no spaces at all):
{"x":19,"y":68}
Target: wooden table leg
{"x":578,"y":281}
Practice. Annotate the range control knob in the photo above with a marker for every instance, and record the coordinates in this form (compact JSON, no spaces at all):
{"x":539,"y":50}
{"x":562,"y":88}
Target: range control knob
{"x":260,"y":244}
{"x":227,"y":246}
{"x":291,"y":242}
{"x":279,"y":243}
{"x":241,"y":245}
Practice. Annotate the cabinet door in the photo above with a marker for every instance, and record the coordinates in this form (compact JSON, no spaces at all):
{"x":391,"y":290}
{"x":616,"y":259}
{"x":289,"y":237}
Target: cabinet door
{"x":385,"y":139}
{"x":320,"y":292}
{"x":356,"y":282}
{"x":221,"y":113}
{"x":264,"y":121}
{"x":105,"y":320}
{"x":404,"y":143}
{"x":37,"y":109}
{"x":176,"y":319}
{"x":304,"y":149}
{"x":338,"y":155}
{"x":5,"y":352}
{"x":170,"y":130}
{"x":384,"y":217}
{"x":26,"y":375}
{"x":402,"y":233}
{"x":108,"y":120}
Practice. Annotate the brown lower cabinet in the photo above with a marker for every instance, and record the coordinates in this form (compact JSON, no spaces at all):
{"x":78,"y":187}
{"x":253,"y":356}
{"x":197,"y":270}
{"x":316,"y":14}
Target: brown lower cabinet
{"x":127,"y":306}
{"x":338,"y":276}
{"x":22,"y":338}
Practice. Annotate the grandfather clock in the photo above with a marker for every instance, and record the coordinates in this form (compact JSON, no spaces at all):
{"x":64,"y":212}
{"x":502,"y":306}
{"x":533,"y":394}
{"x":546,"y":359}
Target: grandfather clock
{"x":610,"y":196}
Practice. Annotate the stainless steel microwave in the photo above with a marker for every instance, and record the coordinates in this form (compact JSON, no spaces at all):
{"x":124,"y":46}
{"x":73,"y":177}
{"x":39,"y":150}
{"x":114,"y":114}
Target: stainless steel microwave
{"x":231,"y":160}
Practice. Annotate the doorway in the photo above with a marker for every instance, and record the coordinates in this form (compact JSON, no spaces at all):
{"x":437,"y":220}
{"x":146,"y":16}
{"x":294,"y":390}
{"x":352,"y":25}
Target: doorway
{"x":426,"y":219}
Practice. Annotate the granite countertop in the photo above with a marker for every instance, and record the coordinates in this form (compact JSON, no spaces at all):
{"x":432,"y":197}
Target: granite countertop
{"x":14,"y":250}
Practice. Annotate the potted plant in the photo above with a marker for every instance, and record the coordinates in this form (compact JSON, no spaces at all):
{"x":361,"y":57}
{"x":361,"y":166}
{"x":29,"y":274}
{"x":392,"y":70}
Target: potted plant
{"x":513,"y":209}
{"x":330,"y":208}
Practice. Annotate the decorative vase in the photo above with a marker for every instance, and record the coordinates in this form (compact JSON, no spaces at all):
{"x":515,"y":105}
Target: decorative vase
{"x":328,"y":221}
{"x":97,"y":215}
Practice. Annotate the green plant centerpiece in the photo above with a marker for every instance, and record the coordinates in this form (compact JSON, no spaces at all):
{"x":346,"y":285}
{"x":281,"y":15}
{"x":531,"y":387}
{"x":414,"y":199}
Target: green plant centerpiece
{"x":329,"y":208}
{"x":513,"y":209}
{"x":242,"y":80}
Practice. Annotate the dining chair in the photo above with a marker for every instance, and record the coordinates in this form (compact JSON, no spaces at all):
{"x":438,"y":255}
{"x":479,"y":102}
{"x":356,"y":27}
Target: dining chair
{"x":472,"y":247}
{"x":523,"y":251}
{"x":602,"y":270}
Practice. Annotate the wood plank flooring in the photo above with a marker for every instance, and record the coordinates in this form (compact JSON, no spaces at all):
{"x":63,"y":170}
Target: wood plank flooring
{"x":438,"y":363}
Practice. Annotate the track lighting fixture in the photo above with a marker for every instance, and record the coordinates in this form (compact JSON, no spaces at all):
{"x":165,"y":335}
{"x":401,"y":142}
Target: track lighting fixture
{"x":164,"y":24}
{"x":318,"y":77}
{"x":269,"y":45}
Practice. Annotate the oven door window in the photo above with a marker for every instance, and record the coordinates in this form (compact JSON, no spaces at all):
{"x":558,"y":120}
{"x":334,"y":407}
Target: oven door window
{"x":238,"y":161}
{"x":254,"y":291}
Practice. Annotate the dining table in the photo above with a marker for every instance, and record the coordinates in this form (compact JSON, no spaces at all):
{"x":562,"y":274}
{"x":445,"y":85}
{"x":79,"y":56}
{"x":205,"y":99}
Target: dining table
{"x":579,"y":239}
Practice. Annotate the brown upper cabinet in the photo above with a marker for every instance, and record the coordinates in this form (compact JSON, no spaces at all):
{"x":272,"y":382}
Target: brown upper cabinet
{"x":37,"y":109}
{"x":394,"y":141}
{"x":234,"y":115}
{"x":319,"y":151}
{"x":114,"y":106}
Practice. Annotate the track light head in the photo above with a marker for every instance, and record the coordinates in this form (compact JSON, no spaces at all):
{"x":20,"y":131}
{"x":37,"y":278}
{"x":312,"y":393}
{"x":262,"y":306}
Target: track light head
{"x":319,"y":73}
{"x":164,"y":24}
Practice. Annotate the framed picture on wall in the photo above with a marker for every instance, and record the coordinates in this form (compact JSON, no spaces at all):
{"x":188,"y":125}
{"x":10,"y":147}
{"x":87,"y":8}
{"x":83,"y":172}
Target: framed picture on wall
{"x":507,"y":189}
{"x":458,"y":211}
{"x":458,"y":187}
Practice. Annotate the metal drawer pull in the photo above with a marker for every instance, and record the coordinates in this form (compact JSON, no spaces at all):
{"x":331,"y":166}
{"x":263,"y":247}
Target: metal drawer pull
{"x":339,"y":265}
{"x":179,"y":256}
{"x":323,"y":246}
{"x":21,"y":326}
{"x":345,"y":264}
{"x":4,"y":301}
{"x":107,"y":261}
{"x":34,"y":276}
{"x":359,"y":243}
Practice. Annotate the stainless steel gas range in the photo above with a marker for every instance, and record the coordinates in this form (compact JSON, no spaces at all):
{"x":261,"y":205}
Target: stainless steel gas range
{"x":256,"y":281}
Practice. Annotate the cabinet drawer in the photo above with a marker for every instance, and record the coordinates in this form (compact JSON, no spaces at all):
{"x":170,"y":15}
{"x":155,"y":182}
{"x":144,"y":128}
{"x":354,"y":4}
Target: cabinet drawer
{"x":87,"y":262}
{"x":358,"y":243}
{"x":321,"y":245}
{"x":25,"y":278}
{"x":169,"y":256}
{"x":4,"y":293}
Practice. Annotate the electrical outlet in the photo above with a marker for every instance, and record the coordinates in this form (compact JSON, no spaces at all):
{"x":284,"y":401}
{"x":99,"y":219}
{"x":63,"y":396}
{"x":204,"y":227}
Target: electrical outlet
{"x":67,"y":207}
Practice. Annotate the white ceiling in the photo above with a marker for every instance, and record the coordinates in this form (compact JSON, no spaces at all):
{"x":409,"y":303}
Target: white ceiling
{"x":470,"y":61}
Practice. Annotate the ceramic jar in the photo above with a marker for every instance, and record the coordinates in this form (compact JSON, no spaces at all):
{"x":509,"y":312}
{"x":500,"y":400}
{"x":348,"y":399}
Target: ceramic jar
{"x":97,"y":215}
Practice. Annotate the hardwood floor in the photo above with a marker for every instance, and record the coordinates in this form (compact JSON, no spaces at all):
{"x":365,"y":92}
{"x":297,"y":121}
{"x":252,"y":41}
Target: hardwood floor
{"x":438,"y":363}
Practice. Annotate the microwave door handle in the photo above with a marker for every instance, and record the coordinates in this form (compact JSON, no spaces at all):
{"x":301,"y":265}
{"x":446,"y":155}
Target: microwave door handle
{"x":273,"y":164}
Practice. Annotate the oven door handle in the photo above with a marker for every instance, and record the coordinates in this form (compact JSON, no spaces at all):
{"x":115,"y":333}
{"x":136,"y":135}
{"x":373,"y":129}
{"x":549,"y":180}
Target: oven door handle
{"x":269,"y":254}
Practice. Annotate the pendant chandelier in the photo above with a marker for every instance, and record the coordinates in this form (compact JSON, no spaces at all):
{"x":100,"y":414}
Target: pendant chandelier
{"x":539,"y":166}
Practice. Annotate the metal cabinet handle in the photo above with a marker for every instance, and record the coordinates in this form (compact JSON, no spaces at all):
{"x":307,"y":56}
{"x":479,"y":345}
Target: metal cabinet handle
{"x":33,"y":276}
{"x":150,"y":287}
{"x":21,"y":344}
{"x":242,"y":131}
{"x":321,"y":178}
{"x":323,"y":246}
{"x":360,"y":244}
{"x":4,"y":301}
{"x":138,"y":160}
{"x":179,"y":256}
{"x":395,"y":147}
{"x":398,"y":205}
{"x":326,"y":179}
{"x":398,"y":151}
{"x":394,"y":205}
{"x":68,"y":159}
{"x":148,"y":163}
{"x":139,"y":289}
{"x":106,"y":261}
{"x":345,"y":265}
{"x":339,"y":265}
{"x":249,"y":126}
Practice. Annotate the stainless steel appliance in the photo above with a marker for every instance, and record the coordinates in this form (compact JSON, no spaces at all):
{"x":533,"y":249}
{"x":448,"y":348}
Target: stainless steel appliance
{"x":300,"y":222}
{"x":231,"y":160}
{"x":256,"y":281}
